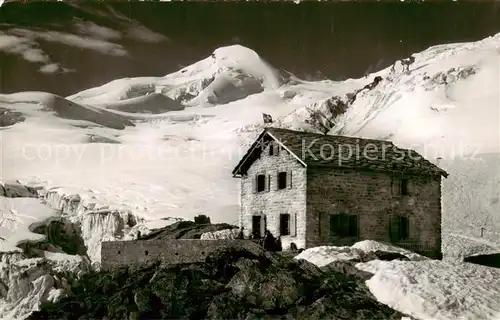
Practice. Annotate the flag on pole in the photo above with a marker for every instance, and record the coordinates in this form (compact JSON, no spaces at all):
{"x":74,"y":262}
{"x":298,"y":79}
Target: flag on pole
{"x":267,"y":118}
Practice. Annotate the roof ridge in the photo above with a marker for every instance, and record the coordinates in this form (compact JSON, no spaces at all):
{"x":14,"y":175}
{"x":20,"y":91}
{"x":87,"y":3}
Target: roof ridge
{"x":294,"y":143}
{"x":325,"y":135}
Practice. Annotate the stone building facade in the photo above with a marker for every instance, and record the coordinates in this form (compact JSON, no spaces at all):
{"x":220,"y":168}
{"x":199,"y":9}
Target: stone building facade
{"x":313,"y":190}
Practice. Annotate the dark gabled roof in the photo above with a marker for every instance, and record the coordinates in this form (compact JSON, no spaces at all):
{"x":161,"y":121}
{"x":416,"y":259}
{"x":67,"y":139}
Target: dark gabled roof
{"x":313,"y":149}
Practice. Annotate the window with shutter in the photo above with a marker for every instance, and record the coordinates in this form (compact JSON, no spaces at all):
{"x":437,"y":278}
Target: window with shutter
{"x":335,"y":224}
{"x":399,"y":228}
{"x":342,"y":225}
{"x":395,"y":186}
{"x":353,"y":226}
{"x":268,"y":186}
{"x":405,"y":228}
{"x":293,"y":224}
{"x":282,"y":180}
{"x":394,"y":229}
{"x":290,"y":179}
{"x":400,"y":186}
{"x":263,"y":226}
{"x":285,"y":224}
{"x":261,"y":182}
{"x":404,"y":187}
{"x":256,"y":226}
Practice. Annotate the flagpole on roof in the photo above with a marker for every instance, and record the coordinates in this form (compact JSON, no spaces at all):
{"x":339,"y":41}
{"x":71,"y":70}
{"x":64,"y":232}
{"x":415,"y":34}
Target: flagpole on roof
{"x":267,"y":118}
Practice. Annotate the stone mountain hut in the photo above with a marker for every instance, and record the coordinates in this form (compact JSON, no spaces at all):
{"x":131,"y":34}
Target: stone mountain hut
{"x":312,"y":190}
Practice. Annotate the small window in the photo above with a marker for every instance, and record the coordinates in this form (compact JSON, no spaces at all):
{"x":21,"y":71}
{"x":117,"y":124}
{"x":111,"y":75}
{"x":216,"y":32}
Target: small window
{"x":274,"y":149}
{"x":342,"y":225}
{"x":400,"y":186}
{"x":284,"y":224}
{"x":146,"y":252}
{"x":282,"y":180}
{"x":404,"y":187}
{"x":119,"y":252}
{"x":399,"y":228}
{"x":261,"y":183}
{"x":257,"y":226}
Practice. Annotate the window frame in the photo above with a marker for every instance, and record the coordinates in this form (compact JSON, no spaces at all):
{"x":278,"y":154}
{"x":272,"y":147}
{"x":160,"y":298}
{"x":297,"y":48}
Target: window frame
{"x":344,"y":225}
{"x":399,"y":228}
{"x":288,"y":226}
{"x":257,"y":186}
{"x":404,"y":186}
{"x":282,"y":175}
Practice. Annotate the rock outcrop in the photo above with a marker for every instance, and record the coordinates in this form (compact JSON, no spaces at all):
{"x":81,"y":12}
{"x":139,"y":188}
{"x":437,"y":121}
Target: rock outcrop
{"x":185,"y":230}
{"x":14,"y":189}
{"x":9,"y":117}
{"x":230,"y":284}
{"x":27,"y":283}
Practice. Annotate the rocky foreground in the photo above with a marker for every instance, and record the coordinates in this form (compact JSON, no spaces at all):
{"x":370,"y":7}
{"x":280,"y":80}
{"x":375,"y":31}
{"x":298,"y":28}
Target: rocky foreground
{"x":230,"y":284}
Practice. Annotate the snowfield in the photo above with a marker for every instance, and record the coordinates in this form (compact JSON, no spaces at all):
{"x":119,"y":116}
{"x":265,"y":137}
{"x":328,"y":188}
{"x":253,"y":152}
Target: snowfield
{"x":422,"y":288}
{"x":140,"y":153}
{"x":436,"y":289}
{"x":17,"y":217}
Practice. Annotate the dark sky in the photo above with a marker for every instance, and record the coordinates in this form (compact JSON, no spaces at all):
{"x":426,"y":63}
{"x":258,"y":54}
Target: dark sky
{"x":317,"y":39}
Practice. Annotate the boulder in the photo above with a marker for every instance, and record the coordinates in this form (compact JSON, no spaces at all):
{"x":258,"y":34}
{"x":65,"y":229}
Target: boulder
{"x":9,"y":117}
{"x":14,"y":189}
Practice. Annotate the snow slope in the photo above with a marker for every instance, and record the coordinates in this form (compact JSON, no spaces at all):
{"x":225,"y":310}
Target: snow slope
{"x":436,"y":289}
{"x":422,"y":288}
{"x":450,"y":95}
{"x":17,"y":216}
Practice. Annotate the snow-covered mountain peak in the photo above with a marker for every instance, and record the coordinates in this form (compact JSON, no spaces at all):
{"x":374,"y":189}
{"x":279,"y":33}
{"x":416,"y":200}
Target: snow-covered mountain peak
{"x":232,"y":58}
{"x":228,"y":74}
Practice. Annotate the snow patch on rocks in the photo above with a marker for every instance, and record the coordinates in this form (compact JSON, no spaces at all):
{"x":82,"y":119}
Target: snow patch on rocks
{"x":372,"y":246}
{"x":26,"y":283}
{"x":324,"y":255}
{"x":15,"y":189}
{"x":226,"y":234}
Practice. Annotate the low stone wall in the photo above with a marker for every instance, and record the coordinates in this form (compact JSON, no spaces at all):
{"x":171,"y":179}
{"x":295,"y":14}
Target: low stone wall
{"x":144,"y":252}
